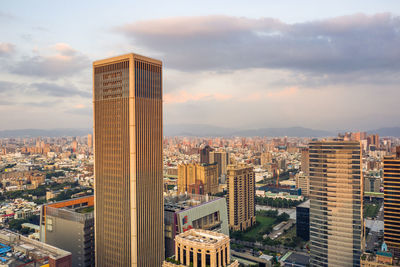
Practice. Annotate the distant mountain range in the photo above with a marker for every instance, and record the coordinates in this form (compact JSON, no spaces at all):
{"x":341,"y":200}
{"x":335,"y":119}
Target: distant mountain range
{"x":44,"y":132}
{"x":201,"y":130}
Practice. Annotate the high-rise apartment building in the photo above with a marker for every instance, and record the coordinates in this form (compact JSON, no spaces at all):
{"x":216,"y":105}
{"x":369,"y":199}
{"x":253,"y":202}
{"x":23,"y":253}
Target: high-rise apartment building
{"x":222,"y":160}
{"x":336,"y":197}
{"x":240,"y":197}
{"x":205,"y":154}
{"x":128,"y":161}
{"x":199,"y":179}
{"x":391,"y":180}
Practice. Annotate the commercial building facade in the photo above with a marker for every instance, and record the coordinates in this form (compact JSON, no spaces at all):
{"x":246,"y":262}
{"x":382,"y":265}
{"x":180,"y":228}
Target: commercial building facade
{"x":69,"y":225}
{"x":201,"y":248}
{"x":391,"y":180}
{"x":241,"y":197}
{"x":336,"y":214}
{"x":303,"y":220}
{"x":127,"y":99}
{"x":185,"y":212}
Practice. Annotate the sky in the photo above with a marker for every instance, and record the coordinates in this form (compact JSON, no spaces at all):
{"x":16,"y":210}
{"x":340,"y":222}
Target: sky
{"x":325,"y":65}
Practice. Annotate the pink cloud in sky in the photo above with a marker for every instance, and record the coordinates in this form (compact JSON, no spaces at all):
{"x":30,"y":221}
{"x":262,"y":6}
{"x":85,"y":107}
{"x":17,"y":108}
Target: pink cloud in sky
{"x":287,"y":92}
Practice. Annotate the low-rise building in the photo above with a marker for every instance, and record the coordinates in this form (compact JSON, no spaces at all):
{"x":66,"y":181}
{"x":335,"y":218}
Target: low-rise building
{"x":201,"y":248}
{"x":70,"y":225}
{"x":18,"y":250}
{"x":185,"y":212}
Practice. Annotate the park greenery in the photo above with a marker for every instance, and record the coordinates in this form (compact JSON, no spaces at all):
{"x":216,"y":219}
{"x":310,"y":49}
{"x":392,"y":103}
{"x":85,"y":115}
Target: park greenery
{"x":371,"y":209}
{"x":16,"y":224}
{"x":265,"y":221}
{"x":277,"y":202}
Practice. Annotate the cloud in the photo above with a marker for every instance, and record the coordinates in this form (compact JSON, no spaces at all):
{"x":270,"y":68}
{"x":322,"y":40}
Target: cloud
{"x":56,"y":90}
{"x":184,"y":96}
{"x":287,"y":92}
{"x":6,"y":49}
{"x":64,"y":61}
{"x":338,"y":45}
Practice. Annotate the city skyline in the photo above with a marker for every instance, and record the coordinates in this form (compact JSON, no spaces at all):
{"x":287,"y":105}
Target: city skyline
{"x":290,"y":63}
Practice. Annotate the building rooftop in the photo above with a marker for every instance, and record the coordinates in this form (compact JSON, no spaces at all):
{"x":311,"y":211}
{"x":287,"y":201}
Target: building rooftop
{"x":203,"y":236}
{"x":305,"y":204}
{"x":186,"y":201}
{"x":18,"y":250}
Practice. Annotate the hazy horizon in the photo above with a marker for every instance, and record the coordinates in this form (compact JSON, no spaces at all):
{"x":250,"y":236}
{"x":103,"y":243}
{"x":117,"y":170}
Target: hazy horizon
{"x":333,"y":66}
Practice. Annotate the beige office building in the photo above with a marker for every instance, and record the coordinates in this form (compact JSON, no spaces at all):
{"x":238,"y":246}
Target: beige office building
{"x":201,"y":248}
{"x":199,"y":179}
{"x":240,"y":197}
{"x":336,"y":198}
{"x":303,"y":182}
{"x":128,"y":161}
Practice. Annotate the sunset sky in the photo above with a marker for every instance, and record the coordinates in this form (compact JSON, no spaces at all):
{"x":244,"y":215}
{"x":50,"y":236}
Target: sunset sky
{"x":242,"y":64}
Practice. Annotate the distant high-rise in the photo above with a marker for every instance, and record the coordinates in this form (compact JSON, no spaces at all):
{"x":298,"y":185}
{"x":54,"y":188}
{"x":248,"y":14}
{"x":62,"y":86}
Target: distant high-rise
{"x":391,"y":180}
{"x":305,"y":158}
{"x":240,"y":198}
{"x":199,"y":179}
{"x":336,"y":197}
{"x":205,"y":154}
{"x":128,"y":161}
{"x":90,"y":141}
{"x":303,"y":182}
{"x":222,"y":160}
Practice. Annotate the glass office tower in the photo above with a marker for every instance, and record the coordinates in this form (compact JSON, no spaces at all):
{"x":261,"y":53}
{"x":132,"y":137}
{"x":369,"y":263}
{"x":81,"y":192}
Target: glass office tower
{"x":336,"y":195}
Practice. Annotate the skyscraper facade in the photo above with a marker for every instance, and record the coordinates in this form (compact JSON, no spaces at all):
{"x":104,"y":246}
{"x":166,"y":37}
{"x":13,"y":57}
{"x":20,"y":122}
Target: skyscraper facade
{"x":391,"y":180}
{"x":336,"y":214}
{"x":240,"y":198}
{"x":128,"y":161}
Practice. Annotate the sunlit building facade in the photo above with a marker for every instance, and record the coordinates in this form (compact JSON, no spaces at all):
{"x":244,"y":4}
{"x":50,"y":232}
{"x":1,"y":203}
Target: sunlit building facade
{"x":128,"y":161}
{"x":240,"y":197}
{"x":391,"y":180}
{"x":336,"y":195}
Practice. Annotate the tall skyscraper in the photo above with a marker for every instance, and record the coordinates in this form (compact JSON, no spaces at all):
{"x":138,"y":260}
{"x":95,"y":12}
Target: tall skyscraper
{"x":336,"y":197}
{"x":128,"y":161}
{"x":240,"y":198}
{"x":391,"y":180}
